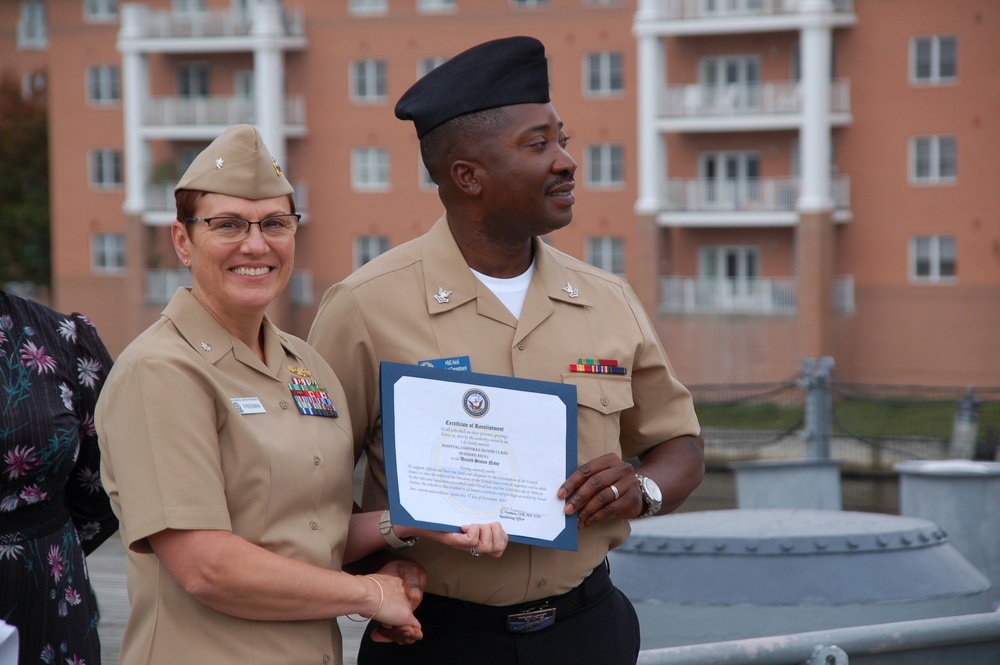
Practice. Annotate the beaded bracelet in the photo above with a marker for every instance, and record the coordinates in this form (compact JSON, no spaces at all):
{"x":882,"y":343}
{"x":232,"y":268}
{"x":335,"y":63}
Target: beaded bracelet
{"x":381,"y":599}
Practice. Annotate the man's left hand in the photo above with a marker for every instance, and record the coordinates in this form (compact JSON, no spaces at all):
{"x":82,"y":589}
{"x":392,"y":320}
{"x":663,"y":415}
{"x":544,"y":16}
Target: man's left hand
{"x":601,"y":488}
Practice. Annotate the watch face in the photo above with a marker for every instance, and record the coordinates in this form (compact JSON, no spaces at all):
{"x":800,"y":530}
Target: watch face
{"x":653,"y":490}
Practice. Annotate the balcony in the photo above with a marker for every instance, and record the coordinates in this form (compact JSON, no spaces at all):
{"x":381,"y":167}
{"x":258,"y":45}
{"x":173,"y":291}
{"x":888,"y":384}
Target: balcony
{"x":204,"y":32}
{"x":161,"y":211}
{"x":768,"y":105}
{"x":750,"y":202}
{"x":207,"y":117}
{"x":754,"y":296}
{"x":714,"y":17}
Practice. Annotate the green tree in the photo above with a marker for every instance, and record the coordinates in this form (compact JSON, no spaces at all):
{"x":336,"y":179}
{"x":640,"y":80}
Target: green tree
{"x":24,"y":186}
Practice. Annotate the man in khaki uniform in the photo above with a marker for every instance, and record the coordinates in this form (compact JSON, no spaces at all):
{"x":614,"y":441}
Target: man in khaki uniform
{"x":482,"y":289}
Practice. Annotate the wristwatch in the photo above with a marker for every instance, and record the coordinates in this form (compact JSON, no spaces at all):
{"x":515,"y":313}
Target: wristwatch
{"x":397,"y":543}
{"x":652,"y":498}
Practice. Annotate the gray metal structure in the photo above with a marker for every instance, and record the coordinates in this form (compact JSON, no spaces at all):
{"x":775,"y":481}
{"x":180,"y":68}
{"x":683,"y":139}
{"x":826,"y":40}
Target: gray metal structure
{"x":714,"y":576}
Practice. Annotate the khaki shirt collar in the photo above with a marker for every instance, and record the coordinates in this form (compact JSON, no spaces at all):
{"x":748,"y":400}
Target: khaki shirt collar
{"x":448,"y":277}
{"x":208,"y":337}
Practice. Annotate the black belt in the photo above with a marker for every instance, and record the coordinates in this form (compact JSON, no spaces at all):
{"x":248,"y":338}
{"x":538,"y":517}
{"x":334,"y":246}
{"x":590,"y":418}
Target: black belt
{"x":34,"y":521}
{"x":523,"y":617}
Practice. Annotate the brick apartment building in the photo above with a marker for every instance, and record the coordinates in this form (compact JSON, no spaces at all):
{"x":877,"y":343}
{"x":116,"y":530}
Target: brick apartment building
{"x":778,"y":179}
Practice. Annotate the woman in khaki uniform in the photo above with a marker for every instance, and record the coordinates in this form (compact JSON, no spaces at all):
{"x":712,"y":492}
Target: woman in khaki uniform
{"x":227,"y":451}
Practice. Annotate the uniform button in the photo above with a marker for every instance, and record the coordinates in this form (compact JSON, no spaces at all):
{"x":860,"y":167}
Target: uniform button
{"x":283,"y":404}
{"x":326,"y":658}
{"x":604,"y":401}
{"x":520,"y":346}
{"x":316,"y":461}
{"x":313,"y":525}
{"x":541,"y":582}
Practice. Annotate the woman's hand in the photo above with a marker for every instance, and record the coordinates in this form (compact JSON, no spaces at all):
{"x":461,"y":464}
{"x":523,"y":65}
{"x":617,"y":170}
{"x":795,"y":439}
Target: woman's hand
{"x":394,"y":616}
{"x":477,"y":539}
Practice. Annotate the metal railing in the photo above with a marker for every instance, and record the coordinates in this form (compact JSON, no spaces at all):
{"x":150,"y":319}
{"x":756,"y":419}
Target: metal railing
{"x":226,"y":23}
{"x":699,"y":100}
{"x":160,"y":196}
{"x":747,"y":195}
{"x":706,"y":9}
{"x":971,"y":638}
{"x":221,"y":111}
{"x":762,"y":296}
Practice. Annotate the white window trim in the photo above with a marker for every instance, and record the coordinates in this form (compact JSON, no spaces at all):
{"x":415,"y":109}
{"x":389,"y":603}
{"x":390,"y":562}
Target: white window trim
{"x":368,"y":7}
{"x":370,"y":67}
{"x":105,"y":96}
{"x":606,"y":160}
{"x":604,"y":91}
{"x":935,"y":260}
{"x":106,"y":155}
{"x":437,"y":6}
{"x":114,"y":245}
{"x":935,"y":178}
{"x":935,"y":78}
{"x":362,"y":164}
{"x":363,"y":246}
{"x":100,"y":11}
{"x":602,"y":250}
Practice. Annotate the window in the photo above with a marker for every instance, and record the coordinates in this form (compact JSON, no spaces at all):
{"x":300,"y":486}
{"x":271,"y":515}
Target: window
{"x":368,"y":81}
{"x":604,"y":165}
{"x":729,"y":180}
{"x":105,"y":169}
{"x":934,"y":59}
{"x":367,"y":7}
{"x":33,"y":85}
{"x":107,"y":252}
{"x":933,"y":159}
{"x":367,"y":248}
{"x":370,"y":169}
{"x":607,"y":253}
{"x":602,"y":73}
{"x":192,"y":79}
{"x":300,"y":287}
{"x":189,"y":6}
{"x":32,"y":28}
{"x":730,"y":83}
{"x":932,"y":258}
{"x":100,"y":10}
{"x":436,"y":6}
{"x":529,"y":3}
{"x":243,"y":84}
{"x":426,"y":65}
{"x":103,"y":85}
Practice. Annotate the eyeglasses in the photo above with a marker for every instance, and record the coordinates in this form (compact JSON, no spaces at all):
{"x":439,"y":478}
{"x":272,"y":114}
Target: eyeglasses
{"x":235,"y":229}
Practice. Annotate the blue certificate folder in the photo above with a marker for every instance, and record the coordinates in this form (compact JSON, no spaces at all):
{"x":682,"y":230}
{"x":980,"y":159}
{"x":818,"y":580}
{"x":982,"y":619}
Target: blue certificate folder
{"x":391,"y":373}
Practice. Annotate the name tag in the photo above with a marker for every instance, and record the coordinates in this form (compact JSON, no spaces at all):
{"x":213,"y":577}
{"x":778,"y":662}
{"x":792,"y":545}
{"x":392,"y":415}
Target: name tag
{"x":246,"y":405}
{"x":458,"y":363}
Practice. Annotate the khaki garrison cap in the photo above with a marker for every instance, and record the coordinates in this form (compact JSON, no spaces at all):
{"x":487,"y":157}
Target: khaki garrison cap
{"x":237,"y":163}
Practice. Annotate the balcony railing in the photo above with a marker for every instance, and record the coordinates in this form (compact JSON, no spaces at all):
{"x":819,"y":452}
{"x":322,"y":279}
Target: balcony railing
{"x":674,"y":10}
{"x":760,"y":296}
{"x":750,"y":195}
{"x":222,"y":111}
{"x":227,"y":23}
{"x":765,"y":98}
{"x":160,"y":197}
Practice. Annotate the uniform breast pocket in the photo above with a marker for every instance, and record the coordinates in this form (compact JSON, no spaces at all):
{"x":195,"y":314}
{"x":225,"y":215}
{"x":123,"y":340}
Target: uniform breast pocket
{"x":600,"y":402}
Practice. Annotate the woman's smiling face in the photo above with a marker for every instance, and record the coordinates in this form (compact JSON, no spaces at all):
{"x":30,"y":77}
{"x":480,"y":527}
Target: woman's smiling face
{"x":235,"y":280}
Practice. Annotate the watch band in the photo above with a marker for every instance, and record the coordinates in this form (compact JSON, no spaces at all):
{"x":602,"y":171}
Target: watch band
{"x":395,"y":542}
{"x":650,"y":504}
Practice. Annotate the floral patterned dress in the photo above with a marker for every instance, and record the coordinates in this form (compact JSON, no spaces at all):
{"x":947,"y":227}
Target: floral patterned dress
{"x":53,"y":509}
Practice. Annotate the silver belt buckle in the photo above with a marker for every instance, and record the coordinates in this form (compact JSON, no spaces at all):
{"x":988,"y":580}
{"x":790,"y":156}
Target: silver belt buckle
{"x":532,"y":620}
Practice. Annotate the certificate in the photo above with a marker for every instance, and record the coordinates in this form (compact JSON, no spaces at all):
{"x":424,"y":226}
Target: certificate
{"x":466,"y":448}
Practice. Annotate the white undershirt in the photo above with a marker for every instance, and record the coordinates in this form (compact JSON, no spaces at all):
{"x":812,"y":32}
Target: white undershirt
{"x":512,"y":291}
